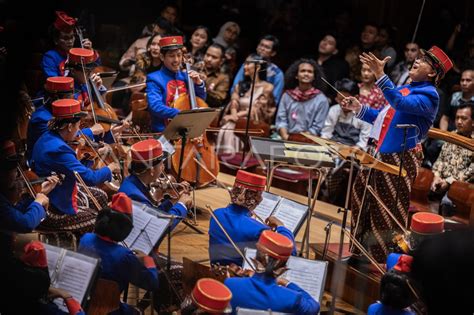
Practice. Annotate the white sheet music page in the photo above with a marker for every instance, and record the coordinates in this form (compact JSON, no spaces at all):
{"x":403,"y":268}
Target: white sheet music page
{"x":310,"y":275}
{"x":249,"y":253}
{"x":290,"y":213}
{"x":152,"y":233}
{"x":140,"y":221}
{"x":268,"y":204}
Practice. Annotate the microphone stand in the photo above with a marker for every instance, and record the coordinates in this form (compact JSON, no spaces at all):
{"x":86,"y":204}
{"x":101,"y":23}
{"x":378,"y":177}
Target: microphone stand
{"x":246,"y":137}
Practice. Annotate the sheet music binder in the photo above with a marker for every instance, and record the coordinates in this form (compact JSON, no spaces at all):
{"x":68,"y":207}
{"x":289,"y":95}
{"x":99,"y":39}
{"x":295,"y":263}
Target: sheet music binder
{"x":280,"y":207}
{"x":73,"y":272}
{"x":310,"y":275}
{"x":149,"y":227}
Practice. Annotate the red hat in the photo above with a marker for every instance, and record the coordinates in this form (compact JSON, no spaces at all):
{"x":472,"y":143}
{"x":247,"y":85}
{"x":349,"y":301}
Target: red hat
{"x":440,"y":60}
{"x":404,"y":263}
{"x":147,"y":150}
{"x":67,"y":108}
{"x":275,"y":245}
{"x":63,"y":21}
{"x":250,"y":181}
{"x":122,"y":203}
{"x":427,"y":223}
{"x":35,"y":255}
{"x":75,"y":55}
{"x":171,"y":42}
{"x":211,"y":295}
{"x":59,"y":84}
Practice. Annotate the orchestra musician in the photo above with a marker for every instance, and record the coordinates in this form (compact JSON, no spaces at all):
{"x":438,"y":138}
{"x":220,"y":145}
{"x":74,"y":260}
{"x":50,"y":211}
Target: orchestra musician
{"x":146,"y":167}
{"x":62,"y":33}
{"x":414,"y":105}
{"x":52,"y":153}
{"x":238,"y":223}
{"x":208,"y":296}
{"x":119,"y":263}
{"x":264,"y":290}
{"x":167,"y":84}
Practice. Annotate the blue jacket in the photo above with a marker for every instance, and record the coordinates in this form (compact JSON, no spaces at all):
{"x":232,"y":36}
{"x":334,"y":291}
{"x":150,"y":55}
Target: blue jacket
{"x":137,"y":191}
{"x":274,"y":75}
{"x":38,"y":125}
{"x":52,"y":154}
{"x":380,"y":309}
{"x":261,"y":292}
{"x":242,"y":228}
{"x":119,"y":264}
{"x":53,"y":63}
{"x":161,"y":88}
{"x":24,"y":217}
{"x":416,"y":103}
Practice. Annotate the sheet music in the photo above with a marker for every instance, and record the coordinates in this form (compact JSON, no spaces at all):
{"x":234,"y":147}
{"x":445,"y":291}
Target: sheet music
{"x":310,"y":275}
{"x":249,"y":253}
{"x":290,"y":213}
{"x":268,"y":204}
{"x":74,"y":274}
{"x":140,"y":221}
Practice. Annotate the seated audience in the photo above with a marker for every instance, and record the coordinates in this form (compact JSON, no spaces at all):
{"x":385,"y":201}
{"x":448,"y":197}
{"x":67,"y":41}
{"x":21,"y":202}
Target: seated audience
{"x":399,"y":74}
{"x":368,"y":39}
{"x":369,"y":93}
{"x":197,"y":45}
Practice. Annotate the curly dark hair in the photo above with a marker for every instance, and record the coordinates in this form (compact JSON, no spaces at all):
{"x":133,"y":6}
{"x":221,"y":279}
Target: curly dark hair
{"x":245,"y":84}
{"x":290,"y":75}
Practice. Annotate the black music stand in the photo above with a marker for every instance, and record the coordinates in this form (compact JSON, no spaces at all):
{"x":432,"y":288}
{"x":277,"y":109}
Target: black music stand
{"x":189,"y":124}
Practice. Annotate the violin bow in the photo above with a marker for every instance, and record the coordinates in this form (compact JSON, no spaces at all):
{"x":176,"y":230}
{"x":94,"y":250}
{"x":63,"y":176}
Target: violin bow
{"x":364,"y":251}
{"x":89,"y":193}
{"x":228,"y":237}
{"x":371,"y":190}
{"x":27,"y":182}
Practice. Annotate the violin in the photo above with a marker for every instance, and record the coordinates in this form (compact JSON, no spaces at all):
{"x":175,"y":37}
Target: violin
{"x":166,"y":187}
{"x":198,"y":147}
{"x":231,"y":271}
{"x":33,"y":183}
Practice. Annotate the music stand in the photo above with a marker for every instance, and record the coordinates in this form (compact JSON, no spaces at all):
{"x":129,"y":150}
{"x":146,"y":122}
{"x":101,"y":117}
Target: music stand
{"x":189,"y":124}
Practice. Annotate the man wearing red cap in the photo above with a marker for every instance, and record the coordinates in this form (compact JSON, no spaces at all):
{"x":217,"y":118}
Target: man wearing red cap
{"x":53,"y":154}
{"x":238,"y":223}
{"x":412,"y":110}
{"x":167,"y":84}
{"x":264,"y":290}
{"x":146,"y":168}
{"x":209,"y":296}
{"x":62,"y":34}
{"x":118,"y":263}
{"x":29,"y":286}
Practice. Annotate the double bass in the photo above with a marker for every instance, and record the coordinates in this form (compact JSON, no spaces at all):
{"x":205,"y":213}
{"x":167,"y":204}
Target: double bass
{"x":197,"y":148}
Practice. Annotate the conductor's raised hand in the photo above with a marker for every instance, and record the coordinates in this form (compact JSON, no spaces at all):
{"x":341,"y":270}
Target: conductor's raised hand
{"x":351,"y":103}
{"x":374,"y":63}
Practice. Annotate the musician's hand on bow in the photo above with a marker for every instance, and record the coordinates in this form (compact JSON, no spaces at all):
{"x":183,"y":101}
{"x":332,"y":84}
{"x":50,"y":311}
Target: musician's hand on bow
{"x":42,"y":199}
{"x":140,"y":255}
{"x":97,"y":129}
{"x":86,"y":43}
{"x":282,"y":281}
{"x":351,"y":103}
{"x":274,"y":222}
{"x":186,"y":199}
{"x":375,"y":64}
{"x":104,"y":151}
{"x":50,"y":183}
{"x":54,"y":293}
{"x":96,"y":79}
{"x":114,"y":167}
{"x":231,"y":117}
{"x":117,"y":129}
{"x":439,"y":184}
{"x":195,"y":77}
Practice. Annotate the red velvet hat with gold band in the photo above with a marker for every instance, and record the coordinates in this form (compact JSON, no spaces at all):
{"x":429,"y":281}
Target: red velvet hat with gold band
{"x":441,"y":61}
{"x":35,"y":255}
{"x":147,"y":151}
{"x":275,"y":245}
{"x":427,"y":223}
{"x":211,"y":295}
{"x":64,"y":22}
{"x":67,"y":108}
{"x":250,"y":181}
{"x":171,"y":42}
{"x":88,"y":57}
{"x":59,"y":84}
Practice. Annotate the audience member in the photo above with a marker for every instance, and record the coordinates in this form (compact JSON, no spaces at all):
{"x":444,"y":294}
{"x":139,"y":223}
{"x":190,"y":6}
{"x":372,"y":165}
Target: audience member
{"x":368,"y":39}
{"x":399,"y":74}
{"x":217,"y":82}
{"x":369,"y":93}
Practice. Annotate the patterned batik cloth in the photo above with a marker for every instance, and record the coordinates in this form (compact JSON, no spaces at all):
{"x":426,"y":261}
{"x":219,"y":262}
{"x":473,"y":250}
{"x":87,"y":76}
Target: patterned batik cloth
{"x":372,"y":226}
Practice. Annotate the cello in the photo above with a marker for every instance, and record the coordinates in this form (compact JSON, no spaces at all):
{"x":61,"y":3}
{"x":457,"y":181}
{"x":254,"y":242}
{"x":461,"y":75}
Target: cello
{"x":198,"y":148}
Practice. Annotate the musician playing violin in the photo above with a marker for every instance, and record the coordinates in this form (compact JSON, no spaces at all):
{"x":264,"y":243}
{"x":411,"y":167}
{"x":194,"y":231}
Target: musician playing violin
{"x":264,"y":290}
{"x":238,"y":223}
{"x":146,"y":167}
{"x":52,"y":153}
{"x":167,"y":84}
{"x":119,"y":263}
{"x":62,"y":33}
{"x":17,"y":214}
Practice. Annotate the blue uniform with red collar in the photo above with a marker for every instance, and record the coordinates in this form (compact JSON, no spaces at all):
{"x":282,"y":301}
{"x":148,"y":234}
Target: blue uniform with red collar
{"x":416,"y":103}
{"x":136,"y":190}
{"x":261,"y":292}
{"x":162,"y":88}
{"x":53,"y":63}
{"x":23,"y":217}
{"x":242,"y":228}
{"x":52,"y":154}
{"x":121,"y":265}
